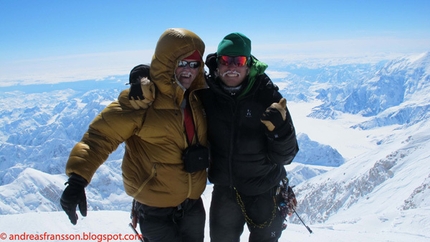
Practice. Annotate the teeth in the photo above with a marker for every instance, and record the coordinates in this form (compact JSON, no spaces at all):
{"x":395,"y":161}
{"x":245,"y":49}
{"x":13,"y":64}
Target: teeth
{"x":186,"y":75}
{"x":231,"y":74}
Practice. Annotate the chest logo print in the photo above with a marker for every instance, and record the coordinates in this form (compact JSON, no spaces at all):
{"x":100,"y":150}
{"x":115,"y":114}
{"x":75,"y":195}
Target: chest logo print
{"x":248,"y":113}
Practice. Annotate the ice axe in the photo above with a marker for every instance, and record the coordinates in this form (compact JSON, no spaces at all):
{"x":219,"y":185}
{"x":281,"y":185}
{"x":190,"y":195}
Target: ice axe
{"x":137,"y":233}
{"x":307,"y":227}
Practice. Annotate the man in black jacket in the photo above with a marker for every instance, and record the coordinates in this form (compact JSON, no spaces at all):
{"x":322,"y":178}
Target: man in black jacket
{"x":251,"y":138}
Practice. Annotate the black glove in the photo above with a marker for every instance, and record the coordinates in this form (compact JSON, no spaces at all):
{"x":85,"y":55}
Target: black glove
{"x":74,"y":195}
{"x":211,"y":63}
{"x":136,"y":75}
{"x":275,"y":118}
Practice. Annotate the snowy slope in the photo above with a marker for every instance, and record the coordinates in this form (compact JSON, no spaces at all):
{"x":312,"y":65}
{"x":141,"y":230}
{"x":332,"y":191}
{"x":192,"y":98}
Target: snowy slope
{"x":115,"y":223}
{"x":392,"y":178}
{"x":361,"y":173}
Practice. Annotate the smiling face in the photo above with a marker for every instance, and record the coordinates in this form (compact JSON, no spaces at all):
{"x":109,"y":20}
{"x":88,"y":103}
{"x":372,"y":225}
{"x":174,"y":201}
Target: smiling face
{"x":231,"y":71}
{"x":186,"y":71}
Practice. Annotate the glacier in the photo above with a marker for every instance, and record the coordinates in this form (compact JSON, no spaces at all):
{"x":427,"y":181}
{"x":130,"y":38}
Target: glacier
{"x":362,"y":130}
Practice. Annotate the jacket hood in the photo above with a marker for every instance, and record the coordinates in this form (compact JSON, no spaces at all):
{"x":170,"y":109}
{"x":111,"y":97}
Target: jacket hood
{"x":257,"y":68}
{"x":174,"y":45}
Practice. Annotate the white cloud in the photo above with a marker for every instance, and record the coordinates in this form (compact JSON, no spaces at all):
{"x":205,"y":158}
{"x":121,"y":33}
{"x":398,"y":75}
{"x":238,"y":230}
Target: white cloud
{"x":371,"y":48}
{"x":102,"y":65}
{"x":71,"y":68}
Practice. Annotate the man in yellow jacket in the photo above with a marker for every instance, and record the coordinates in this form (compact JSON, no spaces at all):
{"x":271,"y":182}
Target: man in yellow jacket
{"x":160,"y":171}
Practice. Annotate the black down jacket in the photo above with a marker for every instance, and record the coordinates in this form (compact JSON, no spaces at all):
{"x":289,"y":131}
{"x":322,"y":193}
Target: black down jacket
{"x":243,"y":155}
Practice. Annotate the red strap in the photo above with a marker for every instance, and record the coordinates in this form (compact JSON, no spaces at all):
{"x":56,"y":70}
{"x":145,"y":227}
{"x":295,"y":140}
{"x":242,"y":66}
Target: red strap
{"x":189,"y":123}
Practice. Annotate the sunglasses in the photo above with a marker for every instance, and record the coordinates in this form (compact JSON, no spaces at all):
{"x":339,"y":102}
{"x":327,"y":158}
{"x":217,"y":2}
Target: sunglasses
{"x":191,"y":64}
{"x":236,"y":60}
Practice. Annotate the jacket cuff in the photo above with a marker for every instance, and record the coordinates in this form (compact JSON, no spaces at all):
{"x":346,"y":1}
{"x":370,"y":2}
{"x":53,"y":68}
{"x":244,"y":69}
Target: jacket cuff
{"x":281,"y":132}
{"x":77,"y":180}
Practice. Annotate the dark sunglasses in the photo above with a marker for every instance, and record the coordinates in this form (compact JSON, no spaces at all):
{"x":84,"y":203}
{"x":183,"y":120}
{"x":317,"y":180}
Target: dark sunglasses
{"x":236,"y":60}
{"x":191,"y":64}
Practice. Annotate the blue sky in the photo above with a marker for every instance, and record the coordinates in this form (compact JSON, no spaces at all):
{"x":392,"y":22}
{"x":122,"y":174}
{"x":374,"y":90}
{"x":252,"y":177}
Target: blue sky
{"x":53,"y":41}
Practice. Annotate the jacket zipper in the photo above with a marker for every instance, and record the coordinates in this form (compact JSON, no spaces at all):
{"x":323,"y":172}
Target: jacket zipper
{"x":190,"y":187}
{"x":231,"y":149}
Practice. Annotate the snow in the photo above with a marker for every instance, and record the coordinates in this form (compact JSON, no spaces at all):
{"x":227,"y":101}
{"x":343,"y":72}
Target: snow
{"x":358,"y":177}
{"x":369,"y":227}
{"x":349,"y":142}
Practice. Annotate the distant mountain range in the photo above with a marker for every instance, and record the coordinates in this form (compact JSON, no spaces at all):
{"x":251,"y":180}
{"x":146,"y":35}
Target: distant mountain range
{"x":39,"y":125}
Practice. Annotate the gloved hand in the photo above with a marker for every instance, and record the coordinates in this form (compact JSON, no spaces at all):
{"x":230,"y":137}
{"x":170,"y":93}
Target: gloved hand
{"x":142,"y":90}
{"x":212,"y":64}
{"x":275,"y":115}
{"x":146,"y":94}
{"x":74,"y":195}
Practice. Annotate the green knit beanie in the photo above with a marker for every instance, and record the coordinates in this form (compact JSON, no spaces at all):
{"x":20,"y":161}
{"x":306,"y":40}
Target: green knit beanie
{"x":235,"y":44}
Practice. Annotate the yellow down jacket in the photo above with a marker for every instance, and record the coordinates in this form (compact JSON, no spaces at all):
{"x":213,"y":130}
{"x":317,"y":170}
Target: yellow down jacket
{"x":152,"y":167}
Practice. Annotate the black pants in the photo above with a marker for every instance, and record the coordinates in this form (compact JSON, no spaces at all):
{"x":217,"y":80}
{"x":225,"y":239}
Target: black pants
{"x":226,"y":219}
{"x":185,"y":223}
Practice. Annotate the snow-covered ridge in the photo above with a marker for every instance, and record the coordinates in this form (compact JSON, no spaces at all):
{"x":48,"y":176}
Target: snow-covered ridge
{"x":364,"y":178}
{"x":362,"y":130}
